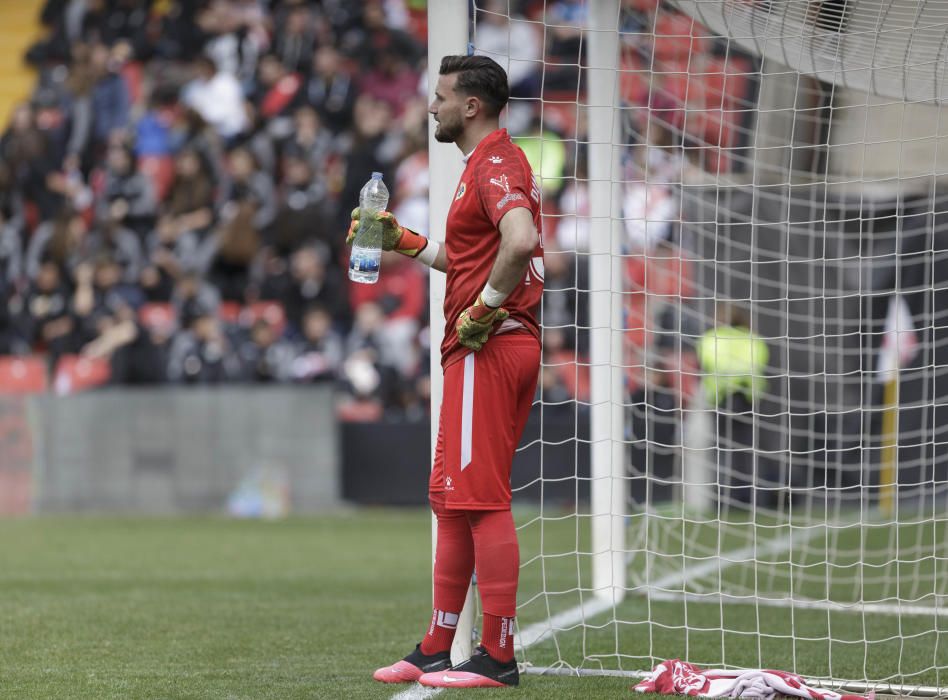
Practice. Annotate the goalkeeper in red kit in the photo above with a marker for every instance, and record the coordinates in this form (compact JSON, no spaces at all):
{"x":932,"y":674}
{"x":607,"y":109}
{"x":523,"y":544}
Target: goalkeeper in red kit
{"x":490,"y":356}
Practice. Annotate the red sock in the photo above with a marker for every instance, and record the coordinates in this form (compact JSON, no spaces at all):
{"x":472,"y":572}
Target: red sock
{"x":498,"y":637}
{"x":454,"y":564}
{"x":498,"y":568}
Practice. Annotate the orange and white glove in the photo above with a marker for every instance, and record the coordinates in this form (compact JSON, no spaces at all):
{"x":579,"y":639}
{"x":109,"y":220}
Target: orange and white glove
{"x":476,"y":322}
{"x":395,"y":236}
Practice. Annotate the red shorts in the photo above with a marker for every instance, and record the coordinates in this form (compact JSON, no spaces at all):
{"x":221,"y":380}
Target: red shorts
{"x":486,"y":403}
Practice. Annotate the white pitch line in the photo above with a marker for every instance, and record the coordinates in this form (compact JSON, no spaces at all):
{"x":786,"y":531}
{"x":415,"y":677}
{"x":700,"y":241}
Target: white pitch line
{"x":540,"y":631}
{"x":417,"y":692}
{"x":744,"y":555}
{"x":537,"y":632}
{"x":803,"y":604}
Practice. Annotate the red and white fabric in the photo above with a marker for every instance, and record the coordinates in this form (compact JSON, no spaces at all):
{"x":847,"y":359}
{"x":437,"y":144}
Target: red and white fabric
{"x":486,"y":403}
{"x":677,"y":677}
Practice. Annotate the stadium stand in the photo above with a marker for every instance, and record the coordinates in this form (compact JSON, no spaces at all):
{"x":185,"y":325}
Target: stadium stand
{"x":173,"y":194}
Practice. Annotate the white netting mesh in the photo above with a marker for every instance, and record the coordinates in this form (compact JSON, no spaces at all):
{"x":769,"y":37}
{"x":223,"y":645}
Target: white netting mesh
{"x":786,"y":158}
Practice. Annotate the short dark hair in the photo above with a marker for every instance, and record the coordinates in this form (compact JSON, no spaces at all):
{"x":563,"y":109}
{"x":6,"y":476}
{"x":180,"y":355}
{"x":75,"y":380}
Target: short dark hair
{"x":481,"y":77}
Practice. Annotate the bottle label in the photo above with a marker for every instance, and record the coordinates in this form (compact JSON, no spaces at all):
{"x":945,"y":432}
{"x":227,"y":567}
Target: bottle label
{"x":365,"y":259}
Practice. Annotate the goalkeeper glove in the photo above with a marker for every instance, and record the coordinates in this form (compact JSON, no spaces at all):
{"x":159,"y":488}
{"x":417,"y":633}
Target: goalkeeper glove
{"x":394,"y":236}
{"x":476,"y":322}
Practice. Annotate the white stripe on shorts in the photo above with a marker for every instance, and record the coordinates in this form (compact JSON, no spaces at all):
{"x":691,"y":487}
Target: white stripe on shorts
{"x":467,"y":411}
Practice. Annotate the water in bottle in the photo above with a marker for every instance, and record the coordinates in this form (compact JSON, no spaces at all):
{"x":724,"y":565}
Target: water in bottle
{"x":366,"y":256}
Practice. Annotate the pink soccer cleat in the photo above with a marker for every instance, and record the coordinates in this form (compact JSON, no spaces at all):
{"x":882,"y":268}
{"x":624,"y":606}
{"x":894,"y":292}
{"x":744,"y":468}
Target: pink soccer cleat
{"x":413,"y":667}
{"x":479,"y":671}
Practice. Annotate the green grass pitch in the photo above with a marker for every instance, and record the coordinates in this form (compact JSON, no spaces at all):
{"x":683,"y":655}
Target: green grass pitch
{"x":211,"y":608}
{"x":308,"y":608}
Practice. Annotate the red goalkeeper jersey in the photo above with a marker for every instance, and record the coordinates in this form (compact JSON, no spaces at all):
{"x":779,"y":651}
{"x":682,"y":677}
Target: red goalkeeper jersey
{"x":497,"y":179}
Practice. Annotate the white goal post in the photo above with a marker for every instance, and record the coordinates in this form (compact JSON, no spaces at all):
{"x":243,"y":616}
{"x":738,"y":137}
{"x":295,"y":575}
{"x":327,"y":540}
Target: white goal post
{"x":779,"y":167}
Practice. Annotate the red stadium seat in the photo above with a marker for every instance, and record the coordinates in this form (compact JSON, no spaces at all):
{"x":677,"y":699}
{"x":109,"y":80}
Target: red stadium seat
{"x":270,"y":311}
{"x":22,"y":375}
{"x":634,"y":79}
{"x":75,"y":374}
{"x":646,"y":7}
{"x":677,"y":36}
{"x":229,"y":311}
{"x":158,"y":317}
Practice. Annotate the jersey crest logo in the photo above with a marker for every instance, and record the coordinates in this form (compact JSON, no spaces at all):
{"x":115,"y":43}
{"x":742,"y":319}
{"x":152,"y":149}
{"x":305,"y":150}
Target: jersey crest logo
{"x":461,"y":190}
{"x":501,"y":182}
{"x":496,"y":160}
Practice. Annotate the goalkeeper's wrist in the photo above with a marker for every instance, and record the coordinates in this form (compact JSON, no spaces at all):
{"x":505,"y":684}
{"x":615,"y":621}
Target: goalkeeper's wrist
{"x":417,"y":246}
{"x":492,"y":297}
{"x":429,"y":253}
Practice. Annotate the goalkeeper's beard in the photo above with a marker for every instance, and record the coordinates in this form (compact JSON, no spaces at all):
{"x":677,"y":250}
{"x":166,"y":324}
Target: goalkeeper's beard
{"x":448,"y":132}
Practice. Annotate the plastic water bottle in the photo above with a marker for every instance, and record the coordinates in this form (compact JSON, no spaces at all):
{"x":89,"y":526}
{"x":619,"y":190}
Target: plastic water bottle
{"x":366,"y":256}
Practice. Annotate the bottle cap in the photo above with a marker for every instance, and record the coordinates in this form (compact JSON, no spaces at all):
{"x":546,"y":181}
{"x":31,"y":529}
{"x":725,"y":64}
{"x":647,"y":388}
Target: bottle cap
{"x":376,"y":176}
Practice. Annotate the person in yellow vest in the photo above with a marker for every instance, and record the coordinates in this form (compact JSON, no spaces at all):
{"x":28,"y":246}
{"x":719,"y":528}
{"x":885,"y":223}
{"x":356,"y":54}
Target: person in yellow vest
{"x":733,"y":360}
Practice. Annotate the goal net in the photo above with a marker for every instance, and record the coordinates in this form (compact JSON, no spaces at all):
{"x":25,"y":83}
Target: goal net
{"x":776,"y":166}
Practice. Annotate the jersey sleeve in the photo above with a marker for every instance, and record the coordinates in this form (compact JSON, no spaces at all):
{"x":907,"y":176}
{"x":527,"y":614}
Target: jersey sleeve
{"x":504,"y":184}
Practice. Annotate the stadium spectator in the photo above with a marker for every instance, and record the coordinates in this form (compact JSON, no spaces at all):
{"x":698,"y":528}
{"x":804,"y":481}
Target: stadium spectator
{"x":217,"y":96}
{"x":311,"y":143}
{"x":304,"y":211}
{"x":111,"y":102}
{"x":733,"y":361}
{"x":655,"y":427}
{"x":127,"y":196}
{"x":311,"y":280}
{"x":331,"y":90}
{"x":546,"y":152}
{"x":33,"y":147}
{"x":110,"y":238}
{"x":135,"y":354}
{"x":391,"y":80}
{"x":320,"y":354}
{"x":249,"y":185}
{"x":502,"y":33}
{"x":11,"y":253}
{"x":203,"y":353}
{"x":12,"y":319}
{"x":232,"y":248}
{"x":265,"y":356}
{"x":278,"y":94}
{"x":237,"y":36}
{"x":296,"y":39}
{"x":564,"y":50}
{"x":189,"y":205}
{"x":47,"y":317}
{"x":192,"y":297}
{"x":374,"y":37}
{"x":62,"y":241}
{"x":78,"y":104}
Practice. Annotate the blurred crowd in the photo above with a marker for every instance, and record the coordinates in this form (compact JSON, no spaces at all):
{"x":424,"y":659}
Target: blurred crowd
{"x":174,"y":195}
